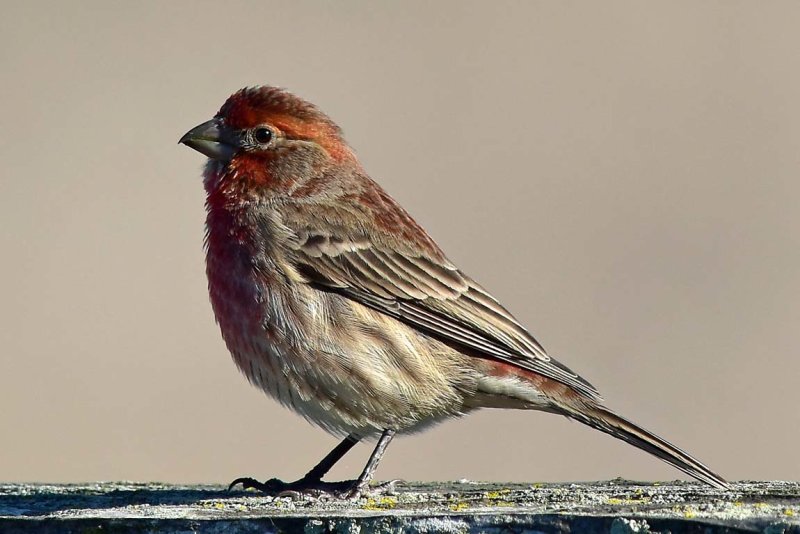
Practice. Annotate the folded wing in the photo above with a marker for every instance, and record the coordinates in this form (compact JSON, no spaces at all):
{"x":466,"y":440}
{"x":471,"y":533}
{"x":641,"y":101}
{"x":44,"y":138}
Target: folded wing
{"x":418,"y":286}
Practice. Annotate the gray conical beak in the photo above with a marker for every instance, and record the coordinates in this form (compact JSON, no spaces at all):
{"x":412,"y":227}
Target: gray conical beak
{"x":209,"y":139}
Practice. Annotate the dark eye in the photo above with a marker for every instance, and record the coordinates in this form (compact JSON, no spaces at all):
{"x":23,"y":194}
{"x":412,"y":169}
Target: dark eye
{"x":262,"y":135}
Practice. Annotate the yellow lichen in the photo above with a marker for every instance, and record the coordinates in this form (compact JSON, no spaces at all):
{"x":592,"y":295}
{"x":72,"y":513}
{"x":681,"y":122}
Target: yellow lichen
{"x":497,"y":494}
{"x":389,"y":501}
{"x":383,"y":503}
{"x":615,"y":501}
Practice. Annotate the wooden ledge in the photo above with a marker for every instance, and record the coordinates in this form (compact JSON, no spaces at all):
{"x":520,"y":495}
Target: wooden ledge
{"x":617,"y":506}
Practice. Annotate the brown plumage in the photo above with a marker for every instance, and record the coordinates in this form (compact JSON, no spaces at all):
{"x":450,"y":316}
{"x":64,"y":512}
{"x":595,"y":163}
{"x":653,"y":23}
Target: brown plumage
{"x":334,"y":301}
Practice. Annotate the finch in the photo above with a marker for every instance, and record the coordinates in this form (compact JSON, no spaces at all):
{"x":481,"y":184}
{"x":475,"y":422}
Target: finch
{"x":336,"y":303}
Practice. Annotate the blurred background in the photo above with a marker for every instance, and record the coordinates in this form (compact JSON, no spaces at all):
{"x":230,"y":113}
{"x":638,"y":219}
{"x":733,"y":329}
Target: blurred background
{"x":622,"y":175}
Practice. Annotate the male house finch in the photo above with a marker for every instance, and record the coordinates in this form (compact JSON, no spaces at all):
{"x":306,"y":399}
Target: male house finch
{"x":335,"y":302}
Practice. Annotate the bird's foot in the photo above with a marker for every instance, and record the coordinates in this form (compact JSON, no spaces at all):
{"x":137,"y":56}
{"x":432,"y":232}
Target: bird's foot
{"x":357,"y":490}
{"x":350,"y":490}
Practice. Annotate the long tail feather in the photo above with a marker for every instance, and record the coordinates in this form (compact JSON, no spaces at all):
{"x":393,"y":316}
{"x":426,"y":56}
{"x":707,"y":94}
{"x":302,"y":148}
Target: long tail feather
{"x":607,"y":421}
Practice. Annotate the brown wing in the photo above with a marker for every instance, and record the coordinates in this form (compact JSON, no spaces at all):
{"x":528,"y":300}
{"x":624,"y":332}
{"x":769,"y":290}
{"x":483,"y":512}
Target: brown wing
{"x":415,"y":284}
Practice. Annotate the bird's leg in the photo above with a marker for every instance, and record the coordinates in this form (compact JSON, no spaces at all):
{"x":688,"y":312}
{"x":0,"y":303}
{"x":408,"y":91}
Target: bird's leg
{"x":362,"y":483}
{"x":310,"y":482}
{"x":321,"y":469}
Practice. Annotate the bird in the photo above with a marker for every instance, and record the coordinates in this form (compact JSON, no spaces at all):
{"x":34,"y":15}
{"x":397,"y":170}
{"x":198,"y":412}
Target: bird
{"x":334,"y":301}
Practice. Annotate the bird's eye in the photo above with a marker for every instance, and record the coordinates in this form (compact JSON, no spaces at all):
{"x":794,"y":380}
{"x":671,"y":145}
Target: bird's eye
{"x":262,"y":135}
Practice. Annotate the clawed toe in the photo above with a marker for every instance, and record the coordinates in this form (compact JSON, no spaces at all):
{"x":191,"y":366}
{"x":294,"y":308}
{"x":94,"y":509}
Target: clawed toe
{"x":356,"y":491}
{"x":272,"y":485}
{"x":384,"y":488}
{"x":350,"y":490}
{"x":299,"y":488}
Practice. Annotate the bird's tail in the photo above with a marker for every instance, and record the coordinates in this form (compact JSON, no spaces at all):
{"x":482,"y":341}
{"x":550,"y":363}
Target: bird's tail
{"x":607,"y":421}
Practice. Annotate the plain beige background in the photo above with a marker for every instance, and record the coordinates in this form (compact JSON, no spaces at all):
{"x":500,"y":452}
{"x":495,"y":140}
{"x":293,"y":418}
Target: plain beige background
{"x":622,"y":175}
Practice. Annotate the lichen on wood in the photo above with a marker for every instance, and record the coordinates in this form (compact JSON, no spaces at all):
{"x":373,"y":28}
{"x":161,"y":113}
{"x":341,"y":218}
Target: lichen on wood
{"x":614,"y":506}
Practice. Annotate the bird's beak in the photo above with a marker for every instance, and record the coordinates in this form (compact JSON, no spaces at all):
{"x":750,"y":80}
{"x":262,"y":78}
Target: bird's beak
{"x":210,"y":139}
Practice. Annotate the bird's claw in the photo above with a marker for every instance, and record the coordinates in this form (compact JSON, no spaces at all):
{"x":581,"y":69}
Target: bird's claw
{"x":272,"y":485}
{"x":350,"y":490}
{"x":358,"y":491}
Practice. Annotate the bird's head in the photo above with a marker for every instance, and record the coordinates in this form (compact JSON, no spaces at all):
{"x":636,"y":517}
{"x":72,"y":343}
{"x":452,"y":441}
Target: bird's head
{"x":265,"y":134}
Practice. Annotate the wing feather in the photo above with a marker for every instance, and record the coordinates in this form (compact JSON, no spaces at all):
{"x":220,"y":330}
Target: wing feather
{"x":423,"y":289}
